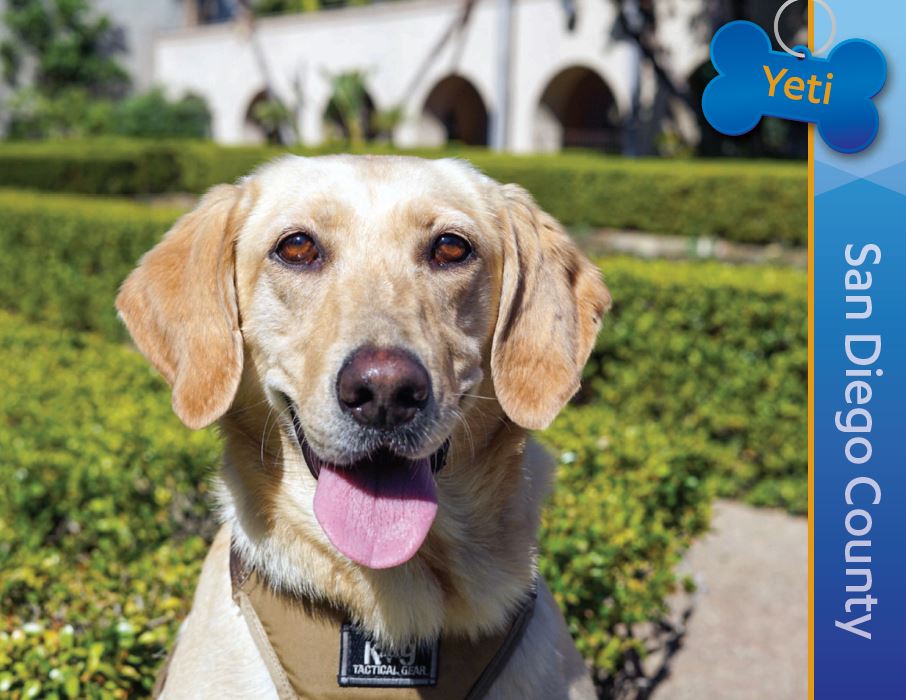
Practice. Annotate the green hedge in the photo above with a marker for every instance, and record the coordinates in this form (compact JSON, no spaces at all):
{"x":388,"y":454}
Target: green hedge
{"x":105,"y":496}
{"x":108,"y":168}
{"x":100,"y":514}
{"x":746,"y":201}
{"x":718,"y":351}
{"x":628,"y":500}
{"x":65,"y":256}
{"x":703,"y":347}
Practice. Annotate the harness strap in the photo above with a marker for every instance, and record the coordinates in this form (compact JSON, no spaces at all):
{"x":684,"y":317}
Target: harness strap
{"x":239,"y":575}
{"x":161,"y":678}
{"x":299,"y":642}
{"x":282,"y":683}
{"x":510,"y":642}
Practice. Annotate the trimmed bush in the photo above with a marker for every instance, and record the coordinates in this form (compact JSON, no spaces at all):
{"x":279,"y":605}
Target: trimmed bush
{"x":629,"y":497}
{"x":65,"y":256}
{"x":93,"y":167}
{"x":705,"y":347}
{"x":106,"y":495}
{"x":715,"y":351}
{"x":747,"y":202}
{"x":100,"y":515}
{"x":744,"y":201}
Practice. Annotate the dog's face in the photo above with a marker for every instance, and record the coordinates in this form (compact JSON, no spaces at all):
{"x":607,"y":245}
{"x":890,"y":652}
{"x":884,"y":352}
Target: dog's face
{"x":368,"y":298}
{"x":366,"y":291}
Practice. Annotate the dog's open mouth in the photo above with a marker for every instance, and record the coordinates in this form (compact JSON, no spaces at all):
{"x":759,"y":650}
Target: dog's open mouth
{"x":376,"y":511}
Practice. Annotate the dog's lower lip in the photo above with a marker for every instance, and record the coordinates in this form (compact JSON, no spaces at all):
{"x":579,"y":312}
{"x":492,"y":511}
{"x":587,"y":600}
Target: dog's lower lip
{"x":314,"y":464}
{"x":438,"y":459}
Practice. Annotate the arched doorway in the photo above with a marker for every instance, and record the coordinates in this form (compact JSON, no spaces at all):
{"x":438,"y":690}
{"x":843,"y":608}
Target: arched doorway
{"x":455,"y":106}
{"x":578,"y":110}
{"x":264,"y":119}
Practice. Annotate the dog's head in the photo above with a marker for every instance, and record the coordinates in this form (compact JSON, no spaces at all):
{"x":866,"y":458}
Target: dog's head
{"x":367,"y":299}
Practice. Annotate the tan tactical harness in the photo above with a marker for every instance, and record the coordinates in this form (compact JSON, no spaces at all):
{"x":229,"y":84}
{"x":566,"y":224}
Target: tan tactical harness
{"x":300,"y":642}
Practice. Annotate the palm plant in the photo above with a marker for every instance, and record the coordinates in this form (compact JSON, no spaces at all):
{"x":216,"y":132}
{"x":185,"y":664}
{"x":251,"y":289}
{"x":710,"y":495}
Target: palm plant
{"x":349,"y":106}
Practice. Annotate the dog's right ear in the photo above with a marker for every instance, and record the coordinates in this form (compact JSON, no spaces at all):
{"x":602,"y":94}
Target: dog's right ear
{"x":181,"y":309}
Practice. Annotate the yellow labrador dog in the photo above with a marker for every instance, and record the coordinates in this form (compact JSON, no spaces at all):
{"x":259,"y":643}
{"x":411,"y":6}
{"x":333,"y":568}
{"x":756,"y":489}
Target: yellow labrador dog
{"x":375,"y":335}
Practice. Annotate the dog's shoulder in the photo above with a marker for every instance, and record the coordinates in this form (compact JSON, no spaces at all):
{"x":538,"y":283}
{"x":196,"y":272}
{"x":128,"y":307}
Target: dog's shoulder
{"x":546,"y":663}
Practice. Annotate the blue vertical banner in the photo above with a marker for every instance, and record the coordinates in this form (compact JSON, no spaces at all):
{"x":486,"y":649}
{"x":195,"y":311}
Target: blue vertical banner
{"x":859,"y":382}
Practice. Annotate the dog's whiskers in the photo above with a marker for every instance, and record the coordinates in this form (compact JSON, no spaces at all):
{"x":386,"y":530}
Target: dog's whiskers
{"x":476,"y":396}
{"x":267,"y":418}
{"x":467,"y":429}
{"x":265,"y":432}
{"x":236,"y":411}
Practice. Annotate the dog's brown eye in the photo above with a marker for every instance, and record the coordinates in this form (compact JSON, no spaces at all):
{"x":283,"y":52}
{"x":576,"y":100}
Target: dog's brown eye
{"x":450,"y":249}
{"x":298,"y":249}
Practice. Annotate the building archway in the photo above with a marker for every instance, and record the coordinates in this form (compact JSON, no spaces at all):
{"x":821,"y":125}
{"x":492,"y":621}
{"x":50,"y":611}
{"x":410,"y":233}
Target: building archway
{"x":578,"y":110}
{"x":454,"y":108}
{"x":262,"y":120}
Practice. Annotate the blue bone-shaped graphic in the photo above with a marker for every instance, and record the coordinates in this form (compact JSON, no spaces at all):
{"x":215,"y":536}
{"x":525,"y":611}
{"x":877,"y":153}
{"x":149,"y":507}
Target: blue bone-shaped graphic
{"x":841,"y":105}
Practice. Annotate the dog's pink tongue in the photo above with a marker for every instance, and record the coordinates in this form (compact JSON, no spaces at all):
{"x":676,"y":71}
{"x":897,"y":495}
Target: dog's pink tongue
{"x":376,"y":514}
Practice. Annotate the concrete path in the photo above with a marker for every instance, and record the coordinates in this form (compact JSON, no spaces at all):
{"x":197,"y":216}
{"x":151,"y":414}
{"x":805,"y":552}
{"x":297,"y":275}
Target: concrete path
{"x":747,"y":637}
{"x":651,"y":245}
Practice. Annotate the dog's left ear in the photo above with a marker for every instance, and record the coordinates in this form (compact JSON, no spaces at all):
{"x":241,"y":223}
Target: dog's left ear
{"x":180,"y":307}
{"x":551,"y":305}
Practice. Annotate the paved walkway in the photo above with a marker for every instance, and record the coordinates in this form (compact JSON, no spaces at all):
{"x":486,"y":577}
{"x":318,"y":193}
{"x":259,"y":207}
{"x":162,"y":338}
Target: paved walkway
{"x":747,"y":637}
{"x":651,"y":245}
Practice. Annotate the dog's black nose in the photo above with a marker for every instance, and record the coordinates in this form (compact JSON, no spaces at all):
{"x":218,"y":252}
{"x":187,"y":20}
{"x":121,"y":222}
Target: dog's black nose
{"x":383,"y":387}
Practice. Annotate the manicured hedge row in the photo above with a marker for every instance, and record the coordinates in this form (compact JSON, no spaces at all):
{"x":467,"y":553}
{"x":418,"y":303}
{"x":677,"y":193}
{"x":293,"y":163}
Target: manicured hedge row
{"x":104,"y":500}
{"x":715,"y":349}
{"x":100,"y":514}
{"x":754,"y":202}
{"x":109,"y":168}
{"x":65,"y":256}
{"x":747,"y":202}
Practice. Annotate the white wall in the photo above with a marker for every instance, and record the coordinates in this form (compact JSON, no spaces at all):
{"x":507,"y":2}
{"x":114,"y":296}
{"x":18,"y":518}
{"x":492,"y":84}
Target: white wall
{"x":141,"y":20}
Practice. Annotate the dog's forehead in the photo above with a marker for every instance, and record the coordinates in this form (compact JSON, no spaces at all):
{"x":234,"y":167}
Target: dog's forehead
{"x":368,"y":186}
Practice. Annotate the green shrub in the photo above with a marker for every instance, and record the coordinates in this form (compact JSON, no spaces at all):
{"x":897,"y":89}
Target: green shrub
{"x":628,"y":500}
{"x":93,"y":628}
{"x":74,"y":113}
{"x":717,"y":351}
{"x":102,"y":167}
{"x":745,"y":201}
{"x":703,"y":347}
{"x":65,"y":256}
{"x":748,"y":202}
{"x":103,"y":502}
{"x":105,"y":499}
{"x":152,"y":115}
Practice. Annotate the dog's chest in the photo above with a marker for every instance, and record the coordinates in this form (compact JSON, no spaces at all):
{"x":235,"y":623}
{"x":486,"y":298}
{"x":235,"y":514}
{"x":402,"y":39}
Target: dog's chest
{"x":312,"y":652}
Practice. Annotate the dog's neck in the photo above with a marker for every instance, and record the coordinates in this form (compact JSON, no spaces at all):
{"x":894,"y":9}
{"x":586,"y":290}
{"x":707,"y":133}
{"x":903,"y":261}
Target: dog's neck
{"x":471,"y":573}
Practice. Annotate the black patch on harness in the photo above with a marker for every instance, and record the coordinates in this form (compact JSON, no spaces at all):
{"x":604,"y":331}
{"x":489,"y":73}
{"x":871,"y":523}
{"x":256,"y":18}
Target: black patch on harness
{"x":364,"y":664}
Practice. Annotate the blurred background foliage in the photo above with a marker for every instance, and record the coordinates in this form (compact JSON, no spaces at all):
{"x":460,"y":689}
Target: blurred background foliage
{"x":61,"y":45}
{"x":60,"y":57}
